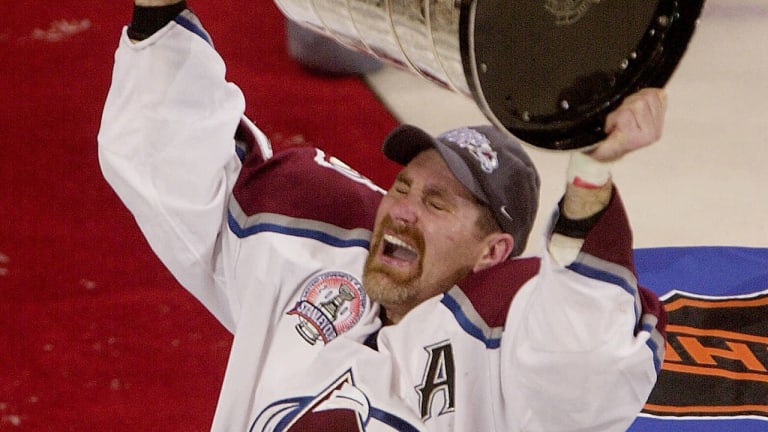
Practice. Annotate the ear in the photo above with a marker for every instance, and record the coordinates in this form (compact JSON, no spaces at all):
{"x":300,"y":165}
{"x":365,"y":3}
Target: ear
{"x":498,"y":246}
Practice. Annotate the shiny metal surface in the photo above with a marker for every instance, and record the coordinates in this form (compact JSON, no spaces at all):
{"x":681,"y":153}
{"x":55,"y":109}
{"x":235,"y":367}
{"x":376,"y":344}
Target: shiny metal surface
{"x":547,"y":71}
{"x":419,"y":35}
{"x":372,"y":18}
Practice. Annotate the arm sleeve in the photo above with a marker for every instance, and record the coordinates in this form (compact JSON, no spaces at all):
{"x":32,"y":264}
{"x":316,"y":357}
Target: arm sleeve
{"x":167,"y":147}
{"x":147,"y":20}
{"x":583,"y":343}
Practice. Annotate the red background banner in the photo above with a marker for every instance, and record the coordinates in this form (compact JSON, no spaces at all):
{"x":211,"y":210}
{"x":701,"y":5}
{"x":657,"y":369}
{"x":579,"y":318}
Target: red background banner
{"x":96,"y":334}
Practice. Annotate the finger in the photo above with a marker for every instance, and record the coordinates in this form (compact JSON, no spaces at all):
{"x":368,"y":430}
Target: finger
{"x":641,"y":116}
{"x":636,"y":123}
{"x":651,"y":115}
{"x":611,"y":149}
{"x":659,"y":111}
{"x":623,"y":119}
{"x":649,"y":108}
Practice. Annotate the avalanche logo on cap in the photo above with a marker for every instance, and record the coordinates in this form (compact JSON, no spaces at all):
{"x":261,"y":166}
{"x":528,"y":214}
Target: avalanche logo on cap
{"x":477,"y":144}
{"x":331,"y":303}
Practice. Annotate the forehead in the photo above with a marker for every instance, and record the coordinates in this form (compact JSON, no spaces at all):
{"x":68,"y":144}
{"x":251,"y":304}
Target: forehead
{"x":430,"y":170}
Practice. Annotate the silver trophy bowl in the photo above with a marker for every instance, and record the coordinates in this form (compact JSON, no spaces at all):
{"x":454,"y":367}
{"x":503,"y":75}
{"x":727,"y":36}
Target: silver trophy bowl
{"x":547,"y":71}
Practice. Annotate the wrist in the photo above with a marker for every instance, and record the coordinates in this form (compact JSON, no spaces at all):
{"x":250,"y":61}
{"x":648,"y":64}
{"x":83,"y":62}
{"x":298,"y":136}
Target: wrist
{"x":586,"y":172}
{"x":589,"y":187}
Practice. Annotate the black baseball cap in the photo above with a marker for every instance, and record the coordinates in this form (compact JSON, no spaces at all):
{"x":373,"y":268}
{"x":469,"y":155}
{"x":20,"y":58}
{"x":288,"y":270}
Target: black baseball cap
{"x":489,"y":162}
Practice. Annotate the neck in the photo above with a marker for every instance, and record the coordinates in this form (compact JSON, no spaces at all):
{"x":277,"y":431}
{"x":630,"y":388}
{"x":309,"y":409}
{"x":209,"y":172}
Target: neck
{"x":389,"y":316}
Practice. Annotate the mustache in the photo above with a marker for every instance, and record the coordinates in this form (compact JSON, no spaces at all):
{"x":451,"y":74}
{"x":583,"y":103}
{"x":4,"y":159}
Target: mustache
{"x":401,"y":230}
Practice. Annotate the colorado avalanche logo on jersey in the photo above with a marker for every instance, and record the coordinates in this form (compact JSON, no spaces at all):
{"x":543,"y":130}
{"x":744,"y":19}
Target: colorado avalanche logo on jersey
{"x":331,"y":303}
{"x":477,"y":144}
{"x":341,"y":407}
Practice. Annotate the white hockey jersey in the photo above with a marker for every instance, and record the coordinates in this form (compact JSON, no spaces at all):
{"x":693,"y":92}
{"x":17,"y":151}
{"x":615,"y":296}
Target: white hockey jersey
{"x":274,"y":246}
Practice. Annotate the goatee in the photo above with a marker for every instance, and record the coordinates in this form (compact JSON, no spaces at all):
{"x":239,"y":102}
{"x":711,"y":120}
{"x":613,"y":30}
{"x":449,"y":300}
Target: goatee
{"x":386,"y":284}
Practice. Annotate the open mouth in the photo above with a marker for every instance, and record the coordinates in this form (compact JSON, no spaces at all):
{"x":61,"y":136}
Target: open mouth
{"x":395,"y":248}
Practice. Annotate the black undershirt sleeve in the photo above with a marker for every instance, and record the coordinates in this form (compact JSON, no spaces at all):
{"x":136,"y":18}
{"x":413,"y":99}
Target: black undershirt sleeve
{"x":576,"y":228}
{"x":149,"y":19}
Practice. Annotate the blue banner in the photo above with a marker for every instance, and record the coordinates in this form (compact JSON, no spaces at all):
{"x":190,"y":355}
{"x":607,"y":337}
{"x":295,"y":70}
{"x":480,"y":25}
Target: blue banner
{"x":715,"y":373}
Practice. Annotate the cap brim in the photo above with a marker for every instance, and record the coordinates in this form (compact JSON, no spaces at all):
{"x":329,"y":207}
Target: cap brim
{"x":405,"y":142}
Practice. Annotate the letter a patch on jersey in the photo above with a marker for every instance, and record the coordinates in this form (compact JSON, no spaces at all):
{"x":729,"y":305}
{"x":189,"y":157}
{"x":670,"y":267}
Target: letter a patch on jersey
{"x":439,"y":380}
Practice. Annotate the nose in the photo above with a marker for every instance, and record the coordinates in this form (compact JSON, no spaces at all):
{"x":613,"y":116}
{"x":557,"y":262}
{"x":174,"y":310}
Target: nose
{"x":404,"y":211}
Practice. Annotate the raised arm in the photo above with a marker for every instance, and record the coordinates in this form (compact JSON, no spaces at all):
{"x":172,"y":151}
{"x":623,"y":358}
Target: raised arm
{"x":585,"y":342}
{"x":637,"y":123}
{"x":167,"y":142}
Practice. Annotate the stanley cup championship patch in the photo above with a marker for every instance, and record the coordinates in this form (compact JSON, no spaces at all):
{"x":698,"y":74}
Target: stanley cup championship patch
{"x":715,"y":371}
{"x":331,"y":303}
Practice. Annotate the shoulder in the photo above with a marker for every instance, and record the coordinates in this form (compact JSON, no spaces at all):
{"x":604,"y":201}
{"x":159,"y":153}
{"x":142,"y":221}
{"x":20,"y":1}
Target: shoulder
{"x":491,"y":291}
{"x":306,"y":183}
{"x":480,"y":302}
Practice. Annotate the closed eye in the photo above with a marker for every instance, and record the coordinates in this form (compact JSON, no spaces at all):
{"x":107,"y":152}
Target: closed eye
{"x":436,"y":204}
{"x":399,"y":188}
{"x":401,"y":185}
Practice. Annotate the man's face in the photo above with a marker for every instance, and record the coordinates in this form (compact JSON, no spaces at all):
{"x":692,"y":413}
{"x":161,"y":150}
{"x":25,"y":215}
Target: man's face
{"x":425,"y":238}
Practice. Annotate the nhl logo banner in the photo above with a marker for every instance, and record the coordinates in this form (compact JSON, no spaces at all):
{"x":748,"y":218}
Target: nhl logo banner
{"x":717,"y":351}
{"x":715,"y":372}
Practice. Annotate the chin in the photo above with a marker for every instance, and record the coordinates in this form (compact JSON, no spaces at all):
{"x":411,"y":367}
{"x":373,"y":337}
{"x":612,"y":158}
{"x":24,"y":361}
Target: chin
{"x":382,"y":288}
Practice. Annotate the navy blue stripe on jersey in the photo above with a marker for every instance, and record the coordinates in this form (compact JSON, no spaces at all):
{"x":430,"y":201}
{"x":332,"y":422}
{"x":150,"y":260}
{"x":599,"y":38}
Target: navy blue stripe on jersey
{"x":602,"y":275}
{"x":598,"y":269}
{"x":241,"y":150}
{"x":655,"y":342}
{"x":243,"y":225}
{"x":615,"y":274}
{"x":301,"y":184}
{"x":318,"y":235}
{"x":469,"y":320}
{"x":192,"y":26}
{"x":490,"y":292}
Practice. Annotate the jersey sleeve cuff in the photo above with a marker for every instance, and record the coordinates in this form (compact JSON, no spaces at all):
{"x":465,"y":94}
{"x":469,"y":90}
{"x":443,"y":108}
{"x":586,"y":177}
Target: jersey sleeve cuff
{"x":575,"y":228}
{"x":147,"y":20}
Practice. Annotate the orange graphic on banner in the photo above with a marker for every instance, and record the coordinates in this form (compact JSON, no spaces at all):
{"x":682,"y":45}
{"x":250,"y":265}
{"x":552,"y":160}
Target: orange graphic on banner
{"x":713,"y":358}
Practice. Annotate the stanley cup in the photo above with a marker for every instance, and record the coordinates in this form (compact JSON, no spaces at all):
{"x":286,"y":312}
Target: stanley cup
{"x":418,"y":35}
{"x":547,"y":71}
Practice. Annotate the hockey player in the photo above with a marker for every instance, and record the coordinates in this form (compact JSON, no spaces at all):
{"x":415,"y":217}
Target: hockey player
{"x":354,"y":309}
